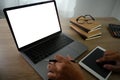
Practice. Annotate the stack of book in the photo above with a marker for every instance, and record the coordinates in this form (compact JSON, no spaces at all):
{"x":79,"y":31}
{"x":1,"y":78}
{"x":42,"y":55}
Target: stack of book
{"x":87,"y":31}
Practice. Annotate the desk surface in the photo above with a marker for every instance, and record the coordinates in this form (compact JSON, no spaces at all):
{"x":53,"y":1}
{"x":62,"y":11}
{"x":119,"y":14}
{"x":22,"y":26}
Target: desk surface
{"x":14,"y":67}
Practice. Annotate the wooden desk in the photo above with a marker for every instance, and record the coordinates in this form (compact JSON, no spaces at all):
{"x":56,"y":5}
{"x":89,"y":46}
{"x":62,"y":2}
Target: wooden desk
{"x":14,"y":67}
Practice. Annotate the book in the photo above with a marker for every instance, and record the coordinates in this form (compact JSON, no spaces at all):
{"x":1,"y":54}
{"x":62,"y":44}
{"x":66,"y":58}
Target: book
{"x":87,"y":27}
{"x":85,"y":35}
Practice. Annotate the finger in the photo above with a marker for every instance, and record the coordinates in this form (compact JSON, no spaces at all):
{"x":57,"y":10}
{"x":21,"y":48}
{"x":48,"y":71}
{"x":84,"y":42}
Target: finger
{"x":112,"y":67}
{"x":107,"y":58}
{"x":60,"y":58}
{"x":109,"y":53}
{"x":52,"y":63}
{"x":51,"y":68}
{"x":51,"y":75}
{"x":100,"y":59}
{"x":103,"y":58}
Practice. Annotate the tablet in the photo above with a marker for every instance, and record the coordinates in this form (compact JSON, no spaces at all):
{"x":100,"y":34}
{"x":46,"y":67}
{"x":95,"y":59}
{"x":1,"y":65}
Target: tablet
{"x":89,"y":63}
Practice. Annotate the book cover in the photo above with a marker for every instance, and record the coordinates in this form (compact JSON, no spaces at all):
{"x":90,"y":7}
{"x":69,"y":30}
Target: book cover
{"x":85,"y":26}
{"x":85,"y":35}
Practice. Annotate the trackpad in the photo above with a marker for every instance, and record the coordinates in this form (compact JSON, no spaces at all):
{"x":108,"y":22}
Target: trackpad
{"x":74,"y":50}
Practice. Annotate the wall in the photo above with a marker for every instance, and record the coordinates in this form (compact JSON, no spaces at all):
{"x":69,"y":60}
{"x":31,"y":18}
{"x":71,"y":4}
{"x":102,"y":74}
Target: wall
{"x":99,"y":8}
{"x":1,"y":4}
{"x":116,"y":10}
{"x":73,"y":8}
{"x":66,"y":7}
{"x":1,"y":8}
{"x":29,"y":1}
{"x":9,"y":3}
{"x":6,"y":3}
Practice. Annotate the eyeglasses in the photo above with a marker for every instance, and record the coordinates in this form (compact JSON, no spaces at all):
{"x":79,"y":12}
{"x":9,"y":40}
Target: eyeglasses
{"x":85,"y":19}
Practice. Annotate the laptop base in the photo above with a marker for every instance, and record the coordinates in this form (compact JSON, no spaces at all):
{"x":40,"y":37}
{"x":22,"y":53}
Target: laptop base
{"x":74,"y":49}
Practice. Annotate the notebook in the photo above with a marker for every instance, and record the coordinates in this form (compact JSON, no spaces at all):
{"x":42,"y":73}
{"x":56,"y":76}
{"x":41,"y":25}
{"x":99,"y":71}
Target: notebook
{"x":87,"y":27}
{"x":38,"y":34}
{"x":85,"y":35}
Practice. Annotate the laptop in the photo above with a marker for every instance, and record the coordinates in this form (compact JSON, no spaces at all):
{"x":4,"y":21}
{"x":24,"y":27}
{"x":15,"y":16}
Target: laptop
{"x":38,"y":34}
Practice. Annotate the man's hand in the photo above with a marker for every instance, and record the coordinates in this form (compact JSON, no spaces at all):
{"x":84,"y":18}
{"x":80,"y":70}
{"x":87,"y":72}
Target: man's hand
{"x":64,"y":69}
{"x":111,"y":56}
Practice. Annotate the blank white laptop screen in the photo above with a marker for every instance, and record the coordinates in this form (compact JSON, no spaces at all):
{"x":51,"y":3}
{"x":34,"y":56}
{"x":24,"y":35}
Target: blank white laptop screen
{"x":32,"y":23}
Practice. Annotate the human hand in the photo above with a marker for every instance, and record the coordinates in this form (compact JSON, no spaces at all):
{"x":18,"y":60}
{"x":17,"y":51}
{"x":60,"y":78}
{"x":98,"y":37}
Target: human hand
{"x":111,"y":56}
{"x":64,"y":69}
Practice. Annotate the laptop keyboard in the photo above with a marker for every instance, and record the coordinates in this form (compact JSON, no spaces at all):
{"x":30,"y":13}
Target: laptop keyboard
{"x":45,"y":49}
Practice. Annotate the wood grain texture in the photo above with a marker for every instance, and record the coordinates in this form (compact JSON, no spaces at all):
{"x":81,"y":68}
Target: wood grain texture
{"x":14,"y":67}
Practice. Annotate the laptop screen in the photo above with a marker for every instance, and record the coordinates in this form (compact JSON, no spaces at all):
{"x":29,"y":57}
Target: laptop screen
{"x":32,"y":23}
